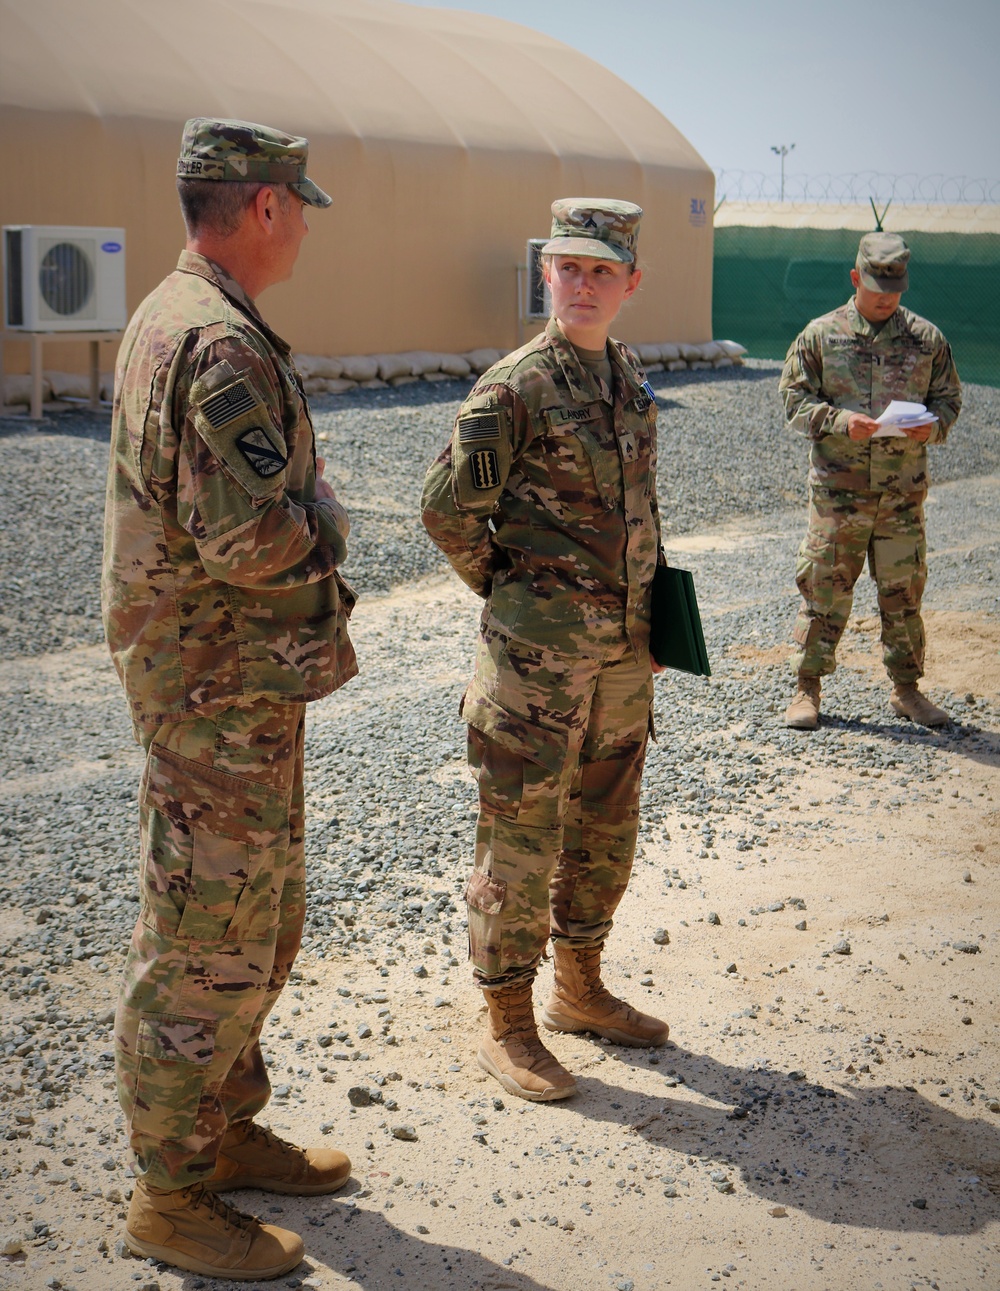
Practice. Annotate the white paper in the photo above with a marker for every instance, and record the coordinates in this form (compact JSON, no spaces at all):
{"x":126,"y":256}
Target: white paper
{"x":901,"y":413}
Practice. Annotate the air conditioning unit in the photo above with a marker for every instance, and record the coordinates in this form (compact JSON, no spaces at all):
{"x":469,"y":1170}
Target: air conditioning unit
{"x":61,"y":278}
{"x":538,"y":302}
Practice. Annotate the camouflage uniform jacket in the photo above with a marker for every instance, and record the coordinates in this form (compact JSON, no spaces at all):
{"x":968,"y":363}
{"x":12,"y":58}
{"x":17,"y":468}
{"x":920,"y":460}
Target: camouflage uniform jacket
{"x":219,"y":583}
{"x":544,"y":501}
{"x":841,"y":364}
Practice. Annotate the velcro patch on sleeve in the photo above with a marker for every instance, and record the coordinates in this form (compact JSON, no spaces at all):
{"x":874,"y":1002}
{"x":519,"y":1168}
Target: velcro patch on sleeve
{"x":226,"y":405}
{"x":478,"y":426}
{"x":484,"y":467}
{"x":264,"y":456}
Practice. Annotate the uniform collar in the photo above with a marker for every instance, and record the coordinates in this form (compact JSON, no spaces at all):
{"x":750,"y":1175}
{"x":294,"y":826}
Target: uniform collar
{"x":581,"y":381}
{"x":863,"y":327}
{"x":192,"y":262}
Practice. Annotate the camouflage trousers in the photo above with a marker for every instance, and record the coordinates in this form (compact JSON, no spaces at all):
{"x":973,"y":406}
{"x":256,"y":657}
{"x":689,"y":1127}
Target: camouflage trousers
{"x":557,"y":743}
{"x":844,"y":528}
{"x":222,"y":892}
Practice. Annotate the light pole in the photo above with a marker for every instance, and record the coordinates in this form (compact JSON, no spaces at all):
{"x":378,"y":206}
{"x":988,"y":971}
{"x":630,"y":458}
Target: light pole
{"x":782,"y":152}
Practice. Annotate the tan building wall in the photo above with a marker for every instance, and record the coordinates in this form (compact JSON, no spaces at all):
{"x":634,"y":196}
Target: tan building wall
{"x":442,"y":136}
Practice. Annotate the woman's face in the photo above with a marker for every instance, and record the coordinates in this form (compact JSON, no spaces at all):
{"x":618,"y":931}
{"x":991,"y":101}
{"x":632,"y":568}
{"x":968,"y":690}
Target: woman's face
{"x":587,"y":295}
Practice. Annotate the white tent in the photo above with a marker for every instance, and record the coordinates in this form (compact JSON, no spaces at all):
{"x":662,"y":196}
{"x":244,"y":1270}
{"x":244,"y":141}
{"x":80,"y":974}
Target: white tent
{"x":442,"y":136}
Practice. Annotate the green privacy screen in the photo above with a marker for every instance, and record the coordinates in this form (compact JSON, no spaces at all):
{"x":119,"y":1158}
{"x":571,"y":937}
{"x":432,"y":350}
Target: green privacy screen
{"x":769,"y":282}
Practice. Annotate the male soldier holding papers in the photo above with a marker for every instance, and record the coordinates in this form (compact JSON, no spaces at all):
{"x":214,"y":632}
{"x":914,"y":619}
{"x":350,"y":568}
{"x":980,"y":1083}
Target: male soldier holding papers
{"x":225,"y":615}
{"x":866,"y":487}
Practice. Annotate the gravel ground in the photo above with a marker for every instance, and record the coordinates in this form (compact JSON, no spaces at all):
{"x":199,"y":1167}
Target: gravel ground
{"x":391,"y":820}
{"x":724,"y":453}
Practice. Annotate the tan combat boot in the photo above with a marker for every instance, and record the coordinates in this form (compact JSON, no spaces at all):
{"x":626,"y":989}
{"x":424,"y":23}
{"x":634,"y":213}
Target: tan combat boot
{"x":513,"y":1053}
{"x":252,"y":1157}
{"x":803,"y":712}
{"x":907,"y":701}
{"x":192,"y":1229}
{"x":581,"y":1002}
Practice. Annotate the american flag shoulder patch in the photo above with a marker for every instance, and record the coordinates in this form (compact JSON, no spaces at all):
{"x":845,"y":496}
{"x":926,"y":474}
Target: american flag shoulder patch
{"x":226,"y":405}
{"x":483,"y":425}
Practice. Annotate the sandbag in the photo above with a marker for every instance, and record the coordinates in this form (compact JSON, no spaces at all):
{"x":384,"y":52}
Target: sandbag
{"x":454,"y":365}
{"x":732,"y":348}
{"x":76,"y":385}
{"x":359,"y":367}
{"x":318,"y":365}
{"x":393,"y":365}
{"x":17,"y":389}
{"x":482,"y":359}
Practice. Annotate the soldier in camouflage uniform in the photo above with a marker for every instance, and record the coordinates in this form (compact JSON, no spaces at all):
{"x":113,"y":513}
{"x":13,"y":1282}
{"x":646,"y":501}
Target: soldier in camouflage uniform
{"x":225,"y":615}
{"x":866,"y":495}
{"x":544,"y":502}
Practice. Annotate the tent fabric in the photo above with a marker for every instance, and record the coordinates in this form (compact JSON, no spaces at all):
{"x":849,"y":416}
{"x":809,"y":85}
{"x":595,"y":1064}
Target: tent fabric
{"x":443,"y":137}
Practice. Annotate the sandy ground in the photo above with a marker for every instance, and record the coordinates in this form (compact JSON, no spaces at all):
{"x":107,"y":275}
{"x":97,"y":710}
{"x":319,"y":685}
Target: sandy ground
{"x":825,"y":1116}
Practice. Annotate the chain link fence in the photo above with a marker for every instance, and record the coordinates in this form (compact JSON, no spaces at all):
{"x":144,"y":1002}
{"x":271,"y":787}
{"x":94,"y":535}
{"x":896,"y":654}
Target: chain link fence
{"x":779,"y":263}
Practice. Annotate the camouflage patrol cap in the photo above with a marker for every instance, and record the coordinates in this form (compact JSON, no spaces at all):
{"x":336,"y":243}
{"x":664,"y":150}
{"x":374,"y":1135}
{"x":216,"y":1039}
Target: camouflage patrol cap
{"x":881,"y":263}
{"x":242,"y":151}
{"x":598,"y":227}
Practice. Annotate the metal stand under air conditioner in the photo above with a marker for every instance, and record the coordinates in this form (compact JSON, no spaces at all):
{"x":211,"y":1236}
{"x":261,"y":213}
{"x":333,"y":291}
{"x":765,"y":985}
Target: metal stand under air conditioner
{"x":36,"y":340}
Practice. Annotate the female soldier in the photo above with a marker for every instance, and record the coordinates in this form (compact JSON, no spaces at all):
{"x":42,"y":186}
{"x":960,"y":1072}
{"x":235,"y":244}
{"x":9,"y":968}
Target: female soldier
{"x":544,"y":502}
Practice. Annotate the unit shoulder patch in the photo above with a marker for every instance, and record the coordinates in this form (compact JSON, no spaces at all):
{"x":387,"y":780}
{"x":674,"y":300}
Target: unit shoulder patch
{"x":260,"y":452}
{"x":484,"y":467}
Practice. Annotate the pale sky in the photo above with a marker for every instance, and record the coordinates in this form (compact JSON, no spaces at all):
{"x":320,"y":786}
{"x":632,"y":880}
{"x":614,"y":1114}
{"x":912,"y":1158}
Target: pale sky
{"x":896,"y":86}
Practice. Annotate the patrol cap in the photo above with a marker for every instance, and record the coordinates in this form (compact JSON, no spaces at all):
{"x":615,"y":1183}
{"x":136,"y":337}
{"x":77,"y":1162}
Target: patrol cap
{"x":598,"y":227}
{"x":242,"y":151}
{"x":882,"y":261}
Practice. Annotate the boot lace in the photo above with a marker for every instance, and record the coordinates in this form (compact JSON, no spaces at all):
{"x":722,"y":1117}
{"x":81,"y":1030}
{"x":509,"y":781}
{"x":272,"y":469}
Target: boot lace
{"x":217,"y":1206}
{"x":595,"y":992}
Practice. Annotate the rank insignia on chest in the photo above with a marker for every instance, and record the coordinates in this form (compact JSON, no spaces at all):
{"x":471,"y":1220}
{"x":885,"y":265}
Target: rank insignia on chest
{"x":228,"y":404}
{"x":262,"y":455}
{"x":485,"y":468}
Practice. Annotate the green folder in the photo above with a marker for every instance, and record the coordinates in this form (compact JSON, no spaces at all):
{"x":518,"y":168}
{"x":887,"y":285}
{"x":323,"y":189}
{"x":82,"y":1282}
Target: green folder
{"x":676,"y":639}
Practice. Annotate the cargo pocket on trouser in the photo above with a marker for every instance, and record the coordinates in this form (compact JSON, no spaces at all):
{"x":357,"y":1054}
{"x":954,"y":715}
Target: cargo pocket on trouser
{"x":172,"y":1059}
{"x":901,"y":575}
{"x":214,"y":851}
{"x":523,"y":790}
{"x":520,"y":765}
{"x":814,"y":573}
{"x":484,"y":897}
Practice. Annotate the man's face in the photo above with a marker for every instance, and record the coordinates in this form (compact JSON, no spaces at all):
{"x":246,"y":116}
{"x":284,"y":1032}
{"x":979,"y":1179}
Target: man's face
{"x":875,"y":306}
{"x":587,"y":295}
{"x":289,"y":227}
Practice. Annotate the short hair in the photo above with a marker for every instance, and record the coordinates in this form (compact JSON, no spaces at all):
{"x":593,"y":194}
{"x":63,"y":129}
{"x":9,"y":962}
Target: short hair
{"x":218,"y":206}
